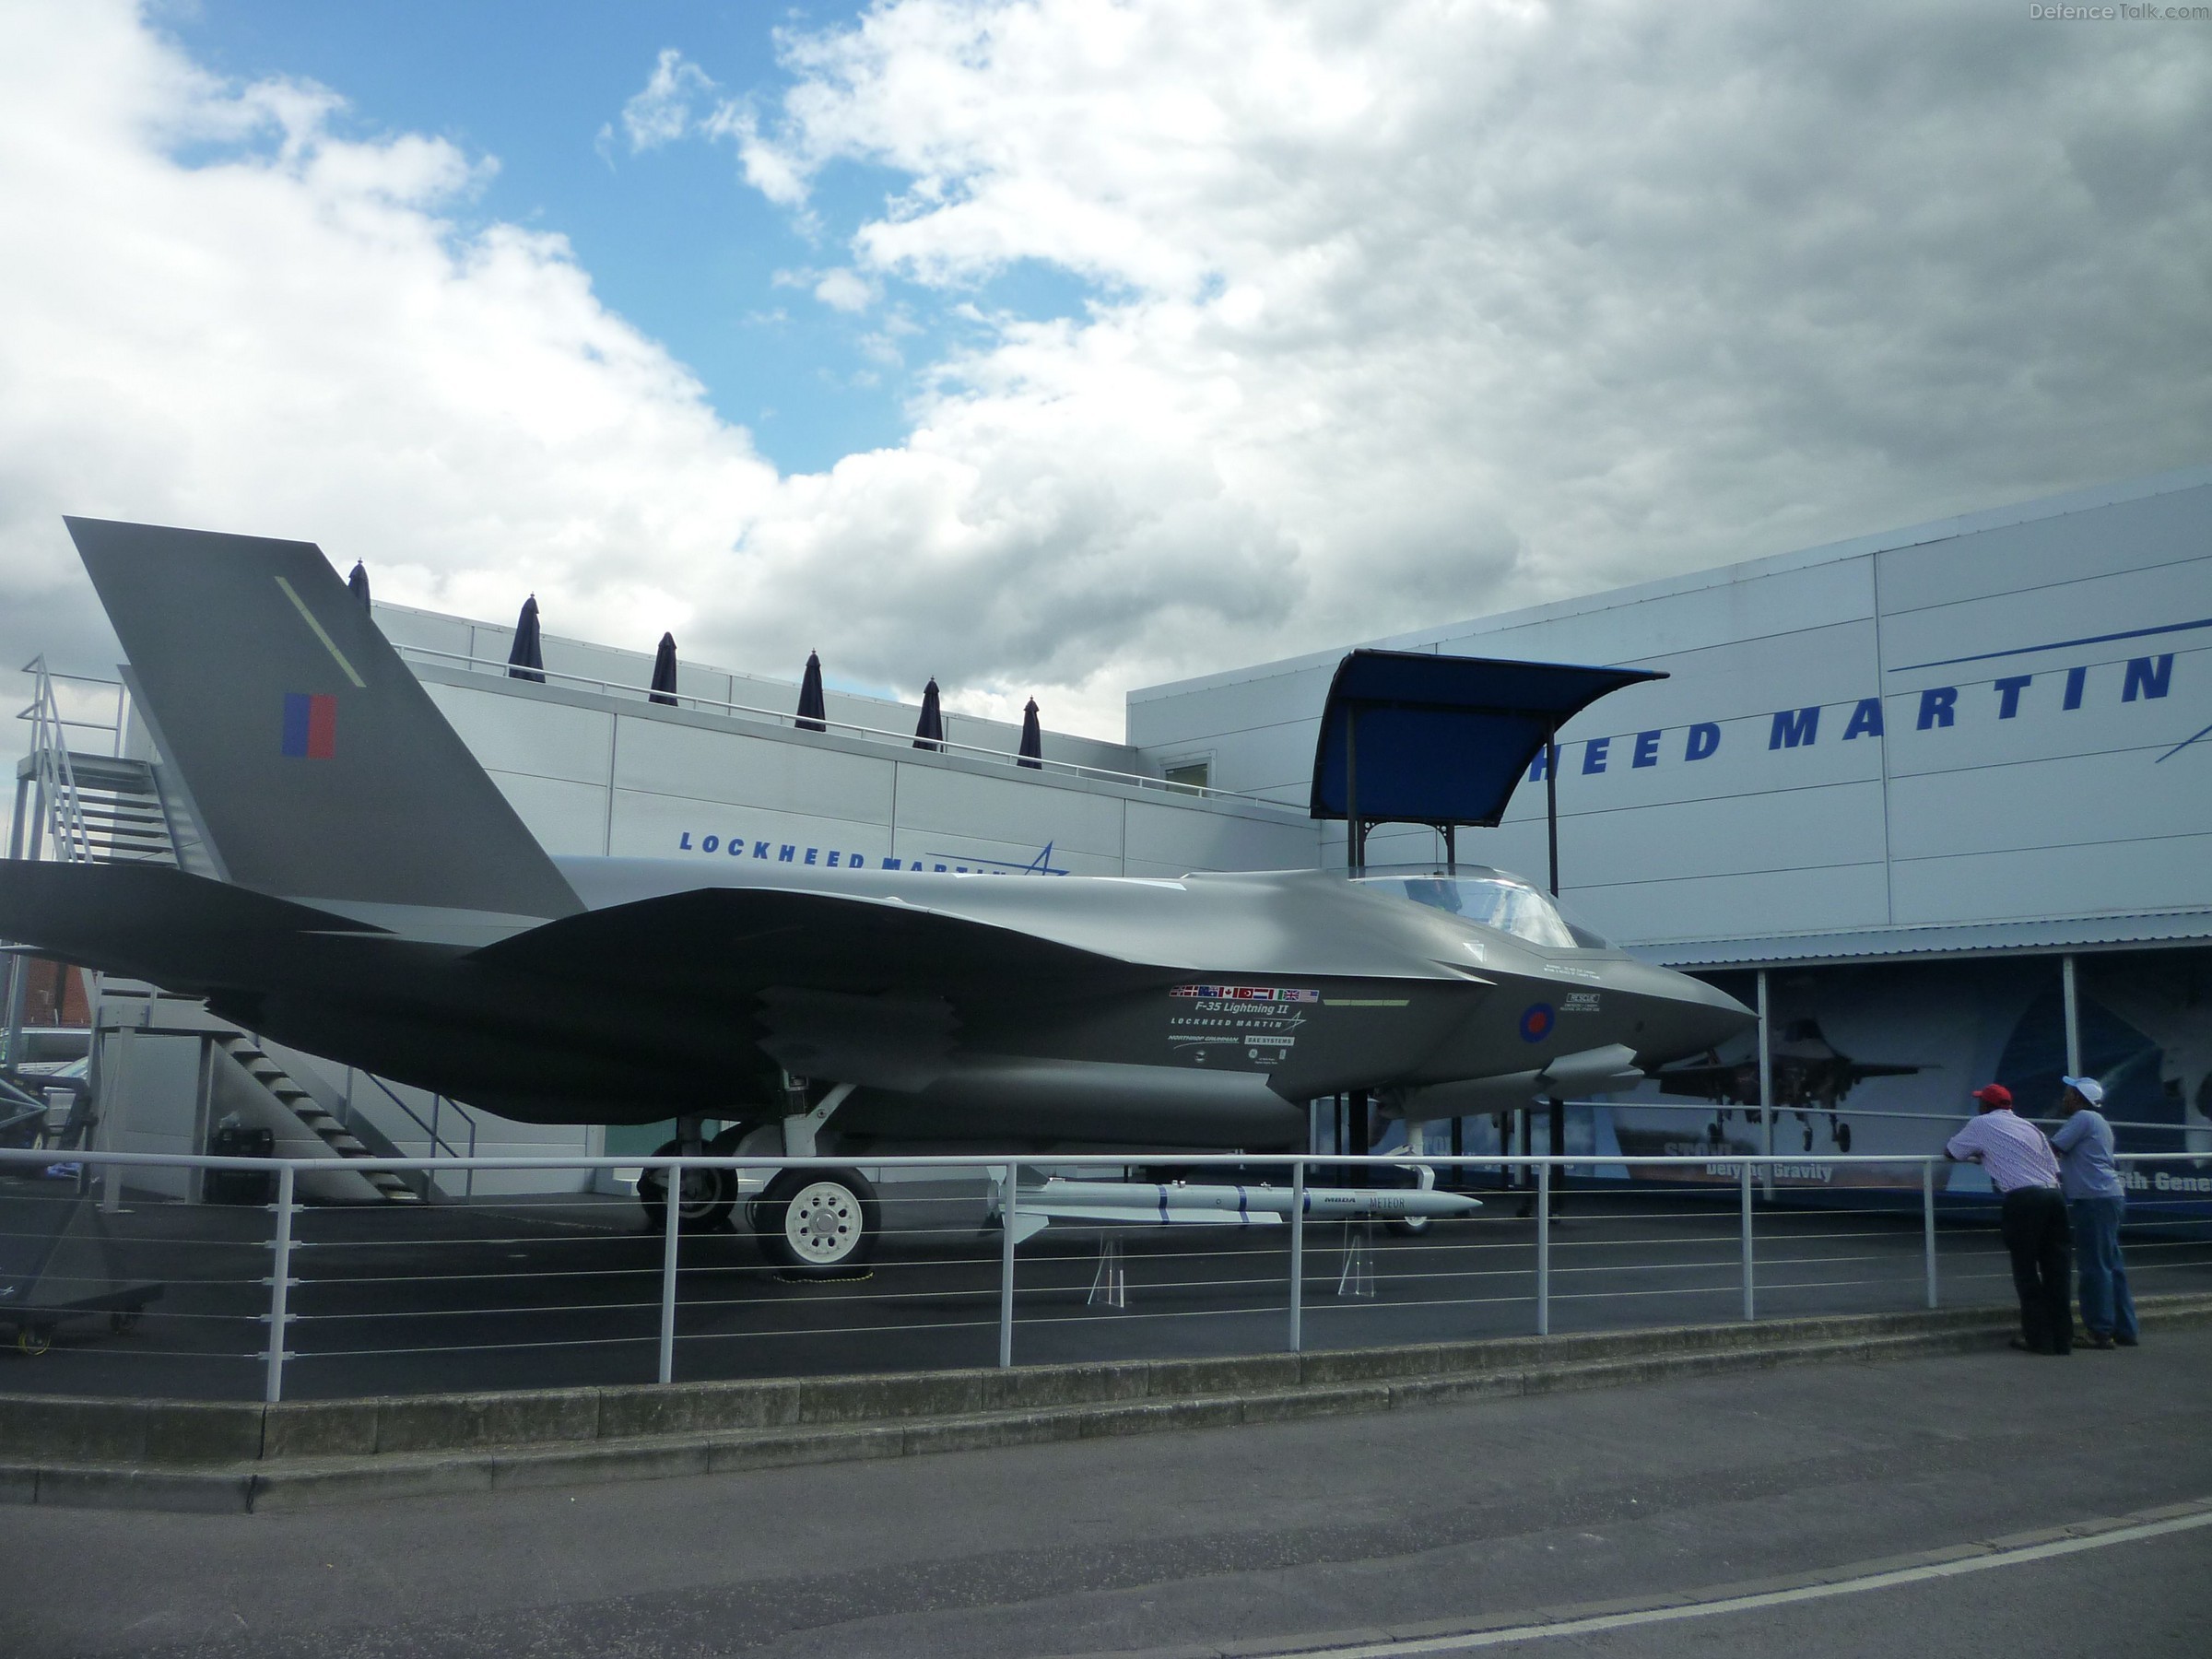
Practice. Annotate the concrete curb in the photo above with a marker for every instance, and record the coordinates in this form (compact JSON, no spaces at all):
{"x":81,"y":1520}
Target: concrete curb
{"x":189,"y":1455}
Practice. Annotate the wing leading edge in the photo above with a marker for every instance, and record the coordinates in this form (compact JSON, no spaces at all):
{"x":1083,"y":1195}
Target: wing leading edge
{"x":741,"y":940}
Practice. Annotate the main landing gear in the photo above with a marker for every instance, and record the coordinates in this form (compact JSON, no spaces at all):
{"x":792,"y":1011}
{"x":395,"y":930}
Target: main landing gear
{"x":706,"y":1196}
{"x":811,"y":1223}
{"x":817,"y":1223}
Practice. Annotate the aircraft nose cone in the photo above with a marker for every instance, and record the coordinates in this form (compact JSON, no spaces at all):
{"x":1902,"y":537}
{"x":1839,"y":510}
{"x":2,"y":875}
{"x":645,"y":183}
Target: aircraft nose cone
{"x":1697,"y":1018}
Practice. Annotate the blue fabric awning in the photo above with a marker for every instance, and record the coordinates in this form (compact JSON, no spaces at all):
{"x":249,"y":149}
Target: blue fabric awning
{"x":1426,"y":739}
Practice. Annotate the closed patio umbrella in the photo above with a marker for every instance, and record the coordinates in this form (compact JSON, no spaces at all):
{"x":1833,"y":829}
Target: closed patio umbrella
{"x":357,"y":584}
{"x":929,"y":730}
{"x":813,"y":711}
{"x":663,"y":672}
{"x":1032,"y":739}
{"x":526,"y":659}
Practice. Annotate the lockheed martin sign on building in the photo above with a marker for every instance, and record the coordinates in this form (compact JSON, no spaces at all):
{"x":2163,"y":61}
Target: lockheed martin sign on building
{"x":1998,"y":719}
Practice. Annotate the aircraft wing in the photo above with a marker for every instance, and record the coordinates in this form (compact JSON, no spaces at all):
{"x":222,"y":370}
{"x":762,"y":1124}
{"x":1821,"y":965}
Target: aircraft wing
{"x":739,"y":940}
{"x":155,"y":923}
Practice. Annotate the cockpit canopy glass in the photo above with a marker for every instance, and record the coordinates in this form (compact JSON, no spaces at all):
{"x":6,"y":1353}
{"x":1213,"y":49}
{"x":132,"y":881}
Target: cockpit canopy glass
{"x":1495,"y":899}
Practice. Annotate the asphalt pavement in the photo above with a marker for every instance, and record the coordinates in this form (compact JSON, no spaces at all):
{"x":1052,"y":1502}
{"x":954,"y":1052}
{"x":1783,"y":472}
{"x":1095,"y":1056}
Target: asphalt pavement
{"x":1269,"y":1536}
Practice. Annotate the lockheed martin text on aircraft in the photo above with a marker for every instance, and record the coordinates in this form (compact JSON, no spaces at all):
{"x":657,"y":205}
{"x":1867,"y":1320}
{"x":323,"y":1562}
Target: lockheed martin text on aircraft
{"x":356,"y":885}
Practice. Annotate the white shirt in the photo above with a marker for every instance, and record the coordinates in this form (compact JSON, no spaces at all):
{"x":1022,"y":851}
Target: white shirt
{"x":2014,"y":1154}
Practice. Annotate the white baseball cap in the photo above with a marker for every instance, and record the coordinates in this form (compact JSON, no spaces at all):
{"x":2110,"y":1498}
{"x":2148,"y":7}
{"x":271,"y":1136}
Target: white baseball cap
{"x":2088,"y":1089}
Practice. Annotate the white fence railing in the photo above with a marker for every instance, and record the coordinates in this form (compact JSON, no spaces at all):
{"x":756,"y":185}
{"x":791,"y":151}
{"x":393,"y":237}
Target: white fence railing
{"x":1607,"y":1257}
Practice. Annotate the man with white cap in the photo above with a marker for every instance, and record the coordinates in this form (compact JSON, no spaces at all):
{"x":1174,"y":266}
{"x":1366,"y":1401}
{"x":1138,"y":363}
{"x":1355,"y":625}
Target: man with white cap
{"x":2097,"y":1201}
{"x":2033,"y":1221}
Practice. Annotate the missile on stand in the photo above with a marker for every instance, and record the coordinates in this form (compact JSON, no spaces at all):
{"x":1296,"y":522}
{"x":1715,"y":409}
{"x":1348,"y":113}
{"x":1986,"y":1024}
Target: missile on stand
{"x":1181,"y":1203}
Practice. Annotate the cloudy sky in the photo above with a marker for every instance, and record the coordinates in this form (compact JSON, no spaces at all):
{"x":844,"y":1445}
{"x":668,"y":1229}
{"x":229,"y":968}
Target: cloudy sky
{"x":1058,"y":346}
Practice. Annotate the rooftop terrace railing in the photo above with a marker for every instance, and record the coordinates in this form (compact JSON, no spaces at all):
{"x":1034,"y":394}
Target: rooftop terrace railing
{"x":866,"y":734}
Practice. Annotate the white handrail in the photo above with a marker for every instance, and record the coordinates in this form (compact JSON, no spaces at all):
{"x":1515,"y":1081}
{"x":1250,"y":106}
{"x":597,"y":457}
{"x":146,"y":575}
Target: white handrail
{"x":279,"y":1316}
{"x":477,"y":665}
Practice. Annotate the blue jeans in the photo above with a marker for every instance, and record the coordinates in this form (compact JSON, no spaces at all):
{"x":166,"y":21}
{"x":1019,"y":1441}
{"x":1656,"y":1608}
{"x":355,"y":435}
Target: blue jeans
{"x":2106,"y":1308}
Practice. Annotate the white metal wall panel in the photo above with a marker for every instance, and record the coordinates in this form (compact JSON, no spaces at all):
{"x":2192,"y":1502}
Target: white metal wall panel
{"x":1260,"y":699}
{"x":730,"y":764}
{"x":1782,"y":831}
{"x":1275,"y":761}
{"x":2042,"y":727}
{"x":567,"y":819}
{"x":1822,"y":901}
{"x":2120,"y":536}
{"x":2074,"y":800}
{"x":2011,"y":619}
{"x":424,"y":629}
{"x":957,"y":850}
{"x":685,"y":784}
{"x":941,"y":800}
{"x":543,"y":739}
{"x":1161,"y":836}
{"x":1644,"y":624}
{"x":665,"y":826}
{"x":2038,"y":882}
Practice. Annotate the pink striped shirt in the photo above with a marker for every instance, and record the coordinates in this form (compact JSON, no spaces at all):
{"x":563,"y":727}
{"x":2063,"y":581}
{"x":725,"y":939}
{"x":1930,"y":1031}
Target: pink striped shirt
{"x":2014,"y":1153}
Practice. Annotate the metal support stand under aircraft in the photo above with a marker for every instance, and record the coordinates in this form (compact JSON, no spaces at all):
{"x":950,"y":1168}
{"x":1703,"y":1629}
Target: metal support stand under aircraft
{"x":1109,"y":1284}
{"x":1355,"y":1278}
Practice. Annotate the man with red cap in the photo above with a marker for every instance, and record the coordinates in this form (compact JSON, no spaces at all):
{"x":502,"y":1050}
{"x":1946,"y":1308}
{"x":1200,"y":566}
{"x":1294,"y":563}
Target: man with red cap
{"x":2033,"y":1221}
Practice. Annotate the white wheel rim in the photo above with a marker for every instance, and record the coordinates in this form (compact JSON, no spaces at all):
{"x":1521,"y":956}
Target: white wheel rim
{"x":821,"y":1223}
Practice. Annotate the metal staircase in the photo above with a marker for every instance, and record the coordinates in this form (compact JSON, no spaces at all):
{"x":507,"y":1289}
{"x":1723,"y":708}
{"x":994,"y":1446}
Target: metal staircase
{"x":325,"y":1123}
{"x":116,"y":813}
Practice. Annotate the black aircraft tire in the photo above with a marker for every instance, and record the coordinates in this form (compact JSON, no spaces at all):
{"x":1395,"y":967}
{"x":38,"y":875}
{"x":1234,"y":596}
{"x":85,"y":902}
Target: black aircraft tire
{"x":1410,"y":1227}
{"x":817,"y":1223}
{"x":709,"y":1197}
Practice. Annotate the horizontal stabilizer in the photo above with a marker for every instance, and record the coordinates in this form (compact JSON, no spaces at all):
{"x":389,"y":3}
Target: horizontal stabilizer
{"x":153,"y":923}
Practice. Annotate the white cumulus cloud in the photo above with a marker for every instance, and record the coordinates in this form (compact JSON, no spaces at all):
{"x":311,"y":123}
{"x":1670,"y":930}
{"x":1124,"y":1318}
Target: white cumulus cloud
{"x":662,"y":112}
{"x":1400,"y":313}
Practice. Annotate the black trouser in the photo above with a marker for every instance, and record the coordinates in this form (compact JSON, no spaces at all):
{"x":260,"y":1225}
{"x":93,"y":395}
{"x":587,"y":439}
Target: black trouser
{"x":2034,"y":1226}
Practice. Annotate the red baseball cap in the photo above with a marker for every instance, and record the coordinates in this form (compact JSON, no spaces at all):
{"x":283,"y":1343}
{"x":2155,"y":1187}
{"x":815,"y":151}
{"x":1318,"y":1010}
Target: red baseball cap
{"x":1993,"y":1095}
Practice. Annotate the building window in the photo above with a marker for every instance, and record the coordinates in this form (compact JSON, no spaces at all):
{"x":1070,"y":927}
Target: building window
{"x":1189,"y":774}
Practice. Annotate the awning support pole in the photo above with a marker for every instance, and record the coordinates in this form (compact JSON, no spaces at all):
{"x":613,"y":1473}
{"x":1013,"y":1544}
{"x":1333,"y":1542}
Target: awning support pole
{"x":1766,"y":1084}
{"x":1354,"y":854}
{"x":2069,"y":983}
{"x":1551,"y":801}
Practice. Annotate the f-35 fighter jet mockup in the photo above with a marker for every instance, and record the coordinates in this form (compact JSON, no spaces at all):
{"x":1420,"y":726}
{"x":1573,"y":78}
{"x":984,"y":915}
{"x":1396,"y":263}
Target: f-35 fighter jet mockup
{"x":356,"y":885}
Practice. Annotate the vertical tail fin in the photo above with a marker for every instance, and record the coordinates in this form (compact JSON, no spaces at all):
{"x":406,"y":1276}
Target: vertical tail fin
{"x":317,"y":765}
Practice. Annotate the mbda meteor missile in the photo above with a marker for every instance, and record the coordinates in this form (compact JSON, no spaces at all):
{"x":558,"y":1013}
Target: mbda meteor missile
{"x":1181,"y":1203}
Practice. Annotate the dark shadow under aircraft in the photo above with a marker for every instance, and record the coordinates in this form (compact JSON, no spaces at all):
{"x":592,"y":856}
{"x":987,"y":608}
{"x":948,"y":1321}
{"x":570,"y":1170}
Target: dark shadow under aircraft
{"x":357,"y":887}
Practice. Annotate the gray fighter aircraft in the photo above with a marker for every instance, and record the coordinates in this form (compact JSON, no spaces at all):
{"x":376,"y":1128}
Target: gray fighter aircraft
{"x":356,"y":885}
